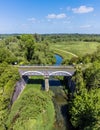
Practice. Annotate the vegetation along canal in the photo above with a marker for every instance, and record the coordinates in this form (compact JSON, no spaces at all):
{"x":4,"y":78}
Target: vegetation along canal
{"x":60,"y":105}
{"x":59,"y":100}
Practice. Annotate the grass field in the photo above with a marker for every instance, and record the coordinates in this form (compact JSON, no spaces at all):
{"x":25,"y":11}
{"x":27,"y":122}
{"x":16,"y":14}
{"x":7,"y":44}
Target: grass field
{"x":74,"y":48}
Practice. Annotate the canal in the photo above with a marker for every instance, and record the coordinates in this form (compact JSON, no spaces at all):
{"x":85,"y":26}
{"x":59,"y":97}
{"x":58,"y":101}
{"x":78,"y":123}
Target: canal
{"x":59,"y":59}
{"x":60,"y":105}
{"x":60,"y":101}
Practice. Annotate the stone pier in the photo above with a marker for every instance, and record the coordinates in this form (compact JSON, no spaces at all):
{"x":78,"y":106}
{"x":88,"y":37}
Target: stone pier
{"x":46,"y":83}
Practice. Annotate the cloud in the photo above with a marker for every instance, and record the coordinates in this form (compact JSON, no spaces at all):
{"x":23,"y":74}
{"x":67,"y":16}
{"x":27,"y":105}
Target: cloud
{"x":86,"y":26}
{"x":56,"y":16}
{"x":33,"y":20}
{"x":82,"y":9}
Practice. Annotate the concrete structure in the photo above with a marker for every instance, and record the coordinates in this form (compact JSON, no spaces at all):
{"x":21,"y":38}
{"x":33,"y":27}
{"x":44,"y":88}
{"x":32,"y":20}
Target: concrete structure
{"x":46,"y":71}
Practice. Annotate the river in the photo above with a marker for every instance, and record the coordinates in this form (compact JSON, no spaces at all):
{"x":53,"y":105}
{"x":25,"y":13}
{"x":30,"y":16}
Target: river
{"x":58,"y":59}
{"x":60,"y":101}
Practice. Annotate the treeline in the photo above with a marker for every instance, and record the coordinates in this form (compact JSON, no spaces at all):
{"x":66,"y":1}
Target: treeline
{"x":25,"y":49}
{"x":8,"y":78}
{"x":35,"y":48}
{"x":53,"y":38}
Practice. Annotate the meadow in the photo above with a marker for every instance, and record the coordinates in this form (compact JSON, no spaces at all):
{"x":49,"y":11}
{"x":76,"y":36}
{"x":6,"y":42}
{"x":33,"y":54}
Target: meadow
{"x":74,"y":48}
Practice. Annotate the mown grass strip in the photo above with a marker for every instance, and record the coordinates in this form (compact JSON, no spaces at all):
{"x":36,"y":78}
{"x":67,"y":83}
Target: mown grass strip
{"x":63,"y":54}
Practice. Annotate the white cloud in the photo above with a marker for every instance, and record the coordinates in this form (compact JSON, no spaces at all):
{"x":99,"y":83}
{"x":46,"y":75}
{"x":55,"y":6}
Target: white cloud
{"x":82,"y":9}
{"x":56,"y":16}
{"x":33,"y":20}
{"x":86,"y":26}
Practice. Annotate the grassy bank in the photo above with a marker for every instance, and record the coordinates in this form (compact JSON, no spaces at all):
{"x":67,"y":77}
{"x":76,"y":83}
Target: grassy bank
{"x":33,"y":110}
{"x":78,"y":48}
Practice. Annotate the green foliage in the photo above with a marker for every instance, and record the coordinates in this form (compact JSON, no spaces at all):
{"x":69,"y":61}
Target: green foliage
{"x":74,"y":52}
{"x":33,"y":110}
{"x":85,"y":111}
{"x":6,"y":56}
{"x":27,"y":44}
{"x":36,"y":53}
{"x":95,"y":80}
{"x":92,"y":76}
{"x":54,"y":38}
{"x":42,"y":54}
{"x":84,"y":108}
{"x":78,"y":48}
{"x":78,"y":79}
{"x":34,"y":49}
{"x":96,"y":55}
{"x":8,"y":77}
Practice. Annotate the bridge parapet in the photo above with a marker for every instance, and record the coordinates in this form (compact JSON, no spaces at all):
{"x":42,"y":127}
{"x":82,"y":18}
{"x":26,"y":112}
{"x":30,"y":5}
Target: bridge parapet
{"x":47,"y":70}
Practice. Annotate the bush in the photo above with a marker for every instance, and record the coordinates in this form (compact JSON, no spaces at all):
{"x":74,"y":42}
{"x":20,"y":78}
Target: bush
{"x":34,"y":110}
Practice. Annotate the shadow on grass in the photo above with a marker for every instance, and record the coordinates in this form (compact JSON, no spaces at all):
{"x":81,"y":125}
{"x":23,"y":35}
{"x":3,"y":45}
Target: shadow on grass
{"x":35,"y":81}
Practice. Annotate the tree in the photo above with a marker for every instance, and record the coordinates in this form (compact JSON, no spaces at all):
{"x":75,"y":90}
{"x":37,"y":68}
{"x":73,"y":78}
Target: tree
{"x":8,"y":77}
{"x":92,"y":76}
{"x":85,"y":110}
{"x":78,"y":79}
{"x":96,"y":55}
{"x":7,"y":56}
{"x":95,"y":80}
{"x":27,"y":45}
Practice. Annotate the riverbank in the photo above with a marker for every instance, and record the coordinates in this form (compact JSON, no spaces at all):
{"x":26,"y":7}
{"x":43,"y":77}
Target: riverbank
{"x":60,"y":105}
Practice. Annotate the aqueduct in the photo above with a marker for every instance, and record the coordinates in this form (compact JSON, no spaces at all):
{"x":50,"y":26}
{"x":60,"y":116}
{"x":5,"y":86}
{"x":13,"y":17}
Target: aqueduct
{"x":46,"y":71}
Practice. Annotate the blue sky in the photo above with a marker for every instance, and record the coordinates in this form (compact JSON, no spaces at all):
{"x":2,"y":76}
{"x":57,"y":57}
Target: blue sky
{"x":49,"y":16}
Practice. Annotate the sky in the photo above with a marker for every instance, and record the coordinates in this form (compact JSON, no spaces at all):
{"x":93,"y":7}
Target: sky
{"x":50,"y":16}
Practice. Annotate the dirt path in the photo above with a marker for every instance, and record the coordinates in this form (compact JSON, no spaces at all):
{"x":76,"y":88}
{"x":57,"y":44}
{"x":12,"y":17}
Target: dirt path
{"x":67,"y":52}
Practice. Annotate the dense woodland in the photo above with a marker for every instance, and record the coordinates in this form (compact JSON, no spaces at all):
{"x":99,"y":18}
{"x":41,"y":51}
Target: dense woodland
{"x":25,"y":49}
{"x":34,"y":109}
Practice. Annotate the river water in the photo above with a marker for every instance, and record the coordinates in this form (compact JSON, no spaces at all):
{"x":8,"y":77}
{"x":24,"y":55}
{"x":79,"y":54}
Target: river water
{"x":58,"y":59}
{"x":60,"y":101}
{"x":60,"y":105}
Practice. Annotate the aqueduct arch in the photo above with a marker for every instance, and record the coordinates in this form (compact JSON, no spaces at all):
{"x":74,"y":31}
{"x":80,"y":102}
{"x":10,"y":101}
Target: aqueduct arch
{"x":46,"y":75}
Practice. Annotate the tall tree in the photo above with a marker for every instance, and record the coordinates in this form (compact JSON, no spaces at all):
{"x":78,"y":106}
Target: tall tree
{"x":27,"y":45}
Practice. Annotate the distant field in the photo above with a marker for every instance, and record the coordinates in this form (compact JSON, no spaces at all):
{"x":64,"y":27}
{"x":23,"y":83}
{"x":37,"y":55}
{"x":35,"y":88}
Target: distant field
{"x":77,"y":48}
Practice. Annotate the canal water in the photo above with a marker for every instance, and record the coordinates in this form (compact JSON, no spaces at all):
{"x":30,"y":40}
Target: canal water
{"x":59,"y":100}
{"x":58,"y":59}
{"x":60,"y":105}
